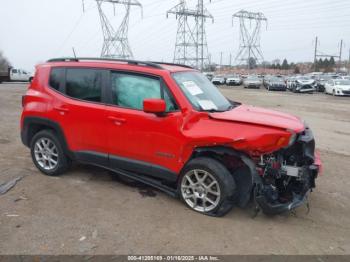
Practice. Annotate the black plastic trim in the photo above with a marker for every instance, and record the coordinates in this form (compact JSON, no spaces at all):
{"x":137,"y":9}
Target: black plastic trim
{"x":30,"y":124}
{"x":141,"y":167}
{"x":140,"y":171}
{"x":254,"y":180}
{"x":130,"y":62}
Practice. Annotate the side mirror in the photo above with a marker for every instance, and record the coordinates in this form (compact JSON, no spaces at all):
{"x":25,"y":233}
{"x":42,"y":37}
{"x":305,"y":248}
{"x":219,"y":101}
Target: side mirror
{"x":155,"y":106}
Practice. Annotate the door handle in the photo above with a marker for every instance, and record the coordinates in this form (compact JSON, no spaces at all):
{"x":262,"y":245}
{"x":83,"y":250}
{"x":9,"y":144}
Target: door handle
{"x":62,"y":110}
{"x":117,"y":120}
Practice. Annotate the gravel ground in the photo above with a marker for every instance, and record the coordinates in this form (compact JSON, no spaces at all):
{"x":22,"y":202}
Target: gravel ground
{"x":88,"y":211}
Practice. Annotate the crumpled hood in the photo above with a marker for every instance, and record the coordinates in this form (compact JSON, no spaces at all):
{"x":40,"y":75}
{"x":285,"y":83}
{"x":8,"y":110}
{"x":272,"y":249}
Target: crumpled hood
{"x":261,"y":116}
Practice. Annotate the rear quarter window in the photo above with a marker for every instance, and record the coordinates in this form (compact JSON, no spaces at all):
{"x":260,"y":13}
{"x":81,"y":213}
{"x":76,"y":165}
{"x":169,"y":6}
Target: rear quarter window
{"x":56,"y":78}
{"x":84,"y":84}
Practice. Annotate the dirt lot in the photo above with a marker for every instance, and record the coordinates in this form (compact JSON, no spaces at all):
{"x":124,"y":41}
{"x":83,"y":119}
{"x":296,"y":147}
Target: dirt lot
{"x":88,"y":212}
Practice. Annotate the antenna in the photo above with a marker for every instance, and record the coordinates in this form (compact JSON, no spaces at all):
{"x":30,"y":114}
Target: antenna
{"x":75,"y":56}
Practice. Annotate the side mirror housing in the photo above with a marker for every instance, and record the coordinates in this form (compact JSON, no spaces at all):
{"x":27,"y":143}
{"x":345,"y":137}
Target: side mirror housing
{"x":155,"y":106}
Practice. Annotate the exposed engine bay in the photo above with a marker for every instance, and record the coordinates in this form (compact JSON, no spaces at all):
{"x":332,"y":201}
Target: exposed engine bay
{"x":287,"y":176}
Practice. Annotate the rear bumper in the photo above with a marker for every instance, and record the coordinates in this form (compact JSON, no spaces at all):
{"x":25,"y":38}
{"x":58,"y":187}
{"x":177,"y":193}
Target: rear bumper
{"x":253,"y":86}
{"x":278,"y":87}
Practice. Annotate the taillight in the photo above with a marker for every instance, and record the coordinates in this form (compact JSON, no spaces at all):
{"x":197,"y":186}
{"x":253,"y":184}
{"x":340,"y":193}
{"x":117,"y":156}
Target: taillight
{"x":23,"y":100}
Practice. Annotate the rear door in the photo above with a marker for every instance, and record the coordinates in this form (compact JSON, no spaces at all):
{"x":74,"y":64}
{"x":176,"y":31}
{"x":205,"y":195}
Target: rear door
{"x":79,"y":110}
{"x":139,"y":141}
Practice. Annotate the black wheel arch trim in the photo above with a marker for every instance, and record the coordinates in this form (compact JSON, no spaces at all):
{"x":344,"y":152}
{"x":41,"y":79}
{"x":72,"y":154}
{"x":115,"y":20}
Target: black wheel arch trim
{"x":31,"y":125}
{"x":255,"y":180}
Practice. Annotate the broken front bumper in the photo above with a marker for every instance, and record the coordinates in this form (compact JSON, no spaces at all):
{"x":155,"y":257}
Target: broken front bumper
{"x":307,"y":174}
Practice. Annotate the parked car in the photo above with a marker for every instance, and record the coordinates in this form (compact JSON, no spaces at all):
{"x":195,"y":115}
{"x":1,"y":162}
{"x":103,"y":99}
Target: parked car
{"x":167,"y":126}
{"x":252,"y":82}
{"x":303,"y":84}
{"x":290,"y":82}
{"x":338,"y":87}
{"x":15,"y":75}
{"x":321,"y":81}
{"x":266,"y":79}
{"x":276,"y":83}
{"x":218,"y":80}
{"x":233,"y":80}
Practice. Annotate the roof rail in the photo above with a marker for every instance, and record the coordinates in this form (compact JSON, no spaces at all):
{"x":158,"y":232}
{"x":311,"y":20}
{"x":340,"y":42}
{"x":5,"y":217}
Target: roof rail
{"x":130,"y":62}
{"x":172,"y":64}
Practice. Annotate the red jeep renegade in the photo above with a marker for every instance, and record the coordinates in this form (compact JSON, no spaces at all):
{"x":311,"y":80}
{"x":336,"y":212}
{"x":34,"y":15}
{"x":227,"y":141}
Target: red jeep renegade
{"x":167,"y":126}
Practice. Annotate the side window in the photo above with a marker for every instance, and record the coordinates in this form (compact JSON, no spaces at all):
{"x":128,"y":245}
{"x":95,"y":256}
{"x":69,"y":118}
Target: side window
{"x":129,"y":90}
{"x":56,"y":78}
{"x":14,"y":71}
{"x":84,"y":84}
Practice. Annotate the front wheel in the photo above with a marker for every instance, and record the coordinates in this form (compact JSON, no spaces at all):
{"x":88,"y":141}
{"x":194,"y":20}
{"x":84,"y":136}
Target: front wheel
{"x":206,"y":186}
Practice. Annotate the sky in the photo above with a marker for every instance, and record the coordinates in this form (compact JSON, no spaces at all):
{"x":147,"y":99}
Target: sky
{"x":32,"y":31}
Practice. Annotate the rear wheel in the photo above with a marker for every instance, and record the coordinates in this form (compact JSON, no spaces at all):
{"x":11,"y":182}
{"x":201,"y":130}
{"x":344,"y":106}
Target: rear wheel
{"x":47,"y":154}
{"x":206,"y":186}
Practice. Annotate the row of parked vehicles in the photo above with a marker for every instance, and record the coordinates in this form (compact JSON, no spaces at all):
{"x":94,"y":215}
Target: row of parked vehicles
{"x":327,"y":83}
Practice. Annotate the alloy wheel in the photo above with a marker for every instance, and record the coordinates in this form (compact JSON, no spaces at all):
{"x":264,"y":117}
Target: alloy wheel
{"x":200,"y":190}
{"x":46,"y":154}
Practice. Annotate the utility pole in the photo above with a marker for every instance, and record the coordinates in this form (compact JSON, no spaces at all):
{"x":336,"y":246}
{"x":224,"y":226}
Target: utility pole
{"x":315,"y":54}
{"x":349,"y":63}
{"x":249,"y":36}
{"x":220,"y":60}
{"x":191,"y":46}
{"x":340,"y":53}
{"x":116,"y":42}
{"x":230,"y":59}
{"x":320,"y":54}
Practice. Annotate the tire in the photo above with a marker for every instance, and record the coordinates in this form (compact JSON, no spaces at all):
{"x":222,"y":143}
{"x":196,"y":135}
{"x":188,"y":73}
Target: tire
{"x":44,"y":157}
{"x":214,"y":174}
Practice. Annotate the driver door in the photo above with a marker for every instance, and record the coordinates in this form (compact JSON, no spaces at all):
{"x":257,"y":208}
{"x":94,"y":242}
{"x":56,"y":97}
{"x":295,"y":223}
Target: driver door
{"x":137,"y":141}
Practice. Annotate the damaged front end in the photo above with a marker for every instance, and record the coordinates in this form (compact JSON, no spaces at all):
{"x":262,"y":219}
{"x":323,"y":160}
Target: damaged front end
{"x":285,"y":178}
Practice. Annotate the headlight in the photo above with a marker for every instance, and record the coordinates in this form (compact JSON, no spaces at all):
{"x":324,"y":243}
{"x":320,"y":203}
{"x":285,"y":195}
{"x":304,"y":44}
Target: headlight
{"x":292,"y":138}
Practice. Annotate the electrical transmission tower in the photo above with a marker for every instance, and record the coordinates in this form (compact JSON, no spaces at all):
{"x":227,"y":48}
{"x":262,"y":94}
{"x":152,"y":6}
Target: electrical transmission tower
{"x":115,"y":42}
{"x":249,"y":47}
{"x":191,"y":46}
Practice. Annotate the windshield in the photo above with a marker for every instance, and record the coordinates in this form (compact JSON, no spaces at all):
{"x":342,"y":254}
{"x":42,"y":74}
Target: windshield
{"x":342,"y":82}
{"x":326,"y":77}
{"x":202,"y":94}
{"x":253,"y":78}
{"x":276,"y":79}
{"x":304,"y":78}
